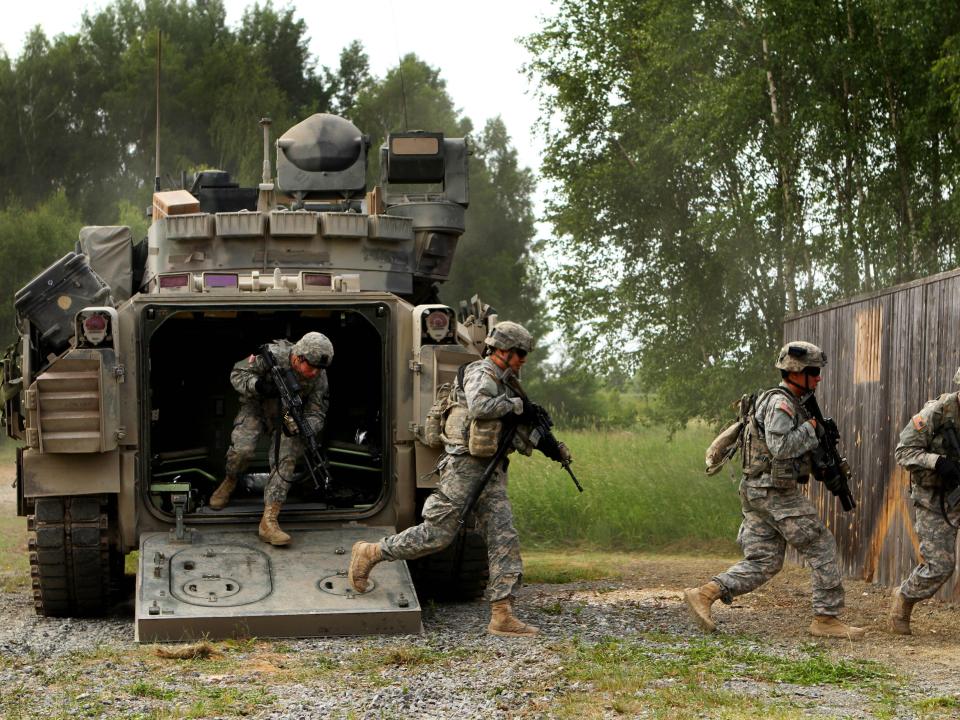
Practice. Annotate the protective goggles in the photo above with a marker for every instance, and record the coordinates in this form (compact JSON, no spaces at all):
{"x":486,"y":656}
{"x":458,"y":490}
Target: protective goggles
{"x":812,"y":371}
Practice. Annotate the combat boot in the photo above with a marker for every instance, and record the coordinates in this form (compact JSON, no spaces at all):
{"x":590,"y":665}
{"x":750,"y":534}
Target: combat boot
{"x":221,"y":496}
{"x":829,"y":626}
{"x":362,"y":559}
{"x":900,"y":609}
{"x":504,"y":622}
{"x":270,"y":531}
{"x":699,"y":600}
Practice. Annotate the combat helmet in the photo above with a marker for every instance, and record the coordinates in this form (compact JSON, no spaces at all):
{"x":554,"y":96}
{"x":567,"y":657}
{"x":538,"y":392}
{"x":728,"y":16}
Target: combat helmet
{"x":315,"y":348}
{"x":797,"y":355}
{"x":509,"y":335}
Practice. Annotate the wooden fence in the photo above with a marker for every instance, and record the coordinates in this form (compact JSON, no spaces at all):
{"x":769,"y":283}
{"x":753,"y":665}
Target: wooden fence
{"x":888,"y":352}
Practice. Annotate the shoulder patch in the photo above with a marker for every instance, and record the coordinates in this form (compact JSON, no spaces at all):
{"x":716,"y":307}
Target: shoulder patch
{"x":786,"y":407}
{"x":251,"y":360}
{"x":919,"y":424}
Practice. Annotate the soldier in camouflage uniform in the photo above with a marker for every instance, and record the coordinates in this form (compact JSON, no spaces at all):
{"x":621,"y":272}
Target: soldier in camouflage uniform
{"x":923,"y":451}
{"x":778,"y":439}
{"x":260,"y":412}
{"x":484,"y":396}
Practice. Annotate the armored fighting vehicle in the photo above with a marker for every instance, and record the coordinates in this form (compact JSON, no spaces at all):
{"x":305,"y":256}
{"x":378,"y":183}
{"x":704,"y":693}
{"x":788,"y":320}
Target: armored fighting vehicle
{"x":119,"y":391}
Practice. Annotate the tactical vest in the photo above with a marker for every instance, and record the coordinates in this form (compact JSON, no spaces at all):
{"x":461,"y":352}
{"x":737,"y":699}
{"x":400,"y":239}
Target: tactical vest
{"x":948,"y":411}
{"x":759,"y":465}
{"x":481,"y":437}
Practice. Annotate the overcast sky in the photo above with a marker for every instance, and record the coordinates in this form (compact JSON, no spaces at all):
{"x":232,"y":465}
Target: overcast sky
{"x":473,"y":43}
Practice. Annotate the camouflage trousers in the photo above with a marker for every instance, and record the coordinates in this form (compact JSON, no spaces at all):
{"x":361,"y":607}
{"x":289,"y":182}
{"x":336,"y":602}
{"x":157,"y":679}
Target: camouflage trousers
{"x":938,"y":542}
{"x":252,"y":421}
{"x":459,"y":474}
{"x":773,"y":518}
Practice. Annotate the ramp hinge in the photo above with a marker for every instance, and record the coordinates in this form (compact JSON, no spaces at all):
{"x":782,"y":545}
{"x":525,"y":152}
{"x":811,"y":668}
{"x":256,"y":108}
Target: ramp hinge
{"x":416,"y":366}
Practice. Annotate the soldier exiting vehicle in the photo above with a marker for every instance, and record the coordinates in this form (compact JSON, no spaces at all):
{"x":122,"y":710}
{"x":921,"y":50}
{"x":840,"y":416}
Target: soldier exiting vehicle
{"x":260,"y":412}
{"x":778,"y":440}
{"x":925,"y":447}
{"x":484,"y":406}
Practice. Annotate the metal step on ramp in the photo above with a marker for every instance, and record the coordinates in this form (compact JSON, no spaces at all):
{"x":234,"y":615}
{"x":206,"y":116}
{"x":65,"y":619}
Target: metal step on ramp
{"x":225,"y":584}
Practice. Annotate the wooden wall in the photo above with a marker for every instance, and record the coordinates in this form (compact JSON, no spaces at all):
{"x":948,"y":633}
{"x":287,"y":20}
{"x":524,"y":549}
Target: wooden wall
{"x":888,"y":353}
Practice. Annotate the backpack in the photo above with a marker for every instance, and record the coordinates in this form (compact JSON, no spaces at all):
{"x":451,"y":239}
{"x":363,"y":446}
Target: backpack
{"x":436,"y":416}
{"x":727,"y":443}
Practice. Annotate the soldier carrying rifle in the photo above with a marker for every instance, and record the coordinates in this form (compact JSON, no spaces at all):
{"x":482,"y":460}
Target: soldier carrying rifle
{"x":259,"y":379}
{"x":930,"y":450}
{"x":781,"y":447}
{"x":489,"y":418}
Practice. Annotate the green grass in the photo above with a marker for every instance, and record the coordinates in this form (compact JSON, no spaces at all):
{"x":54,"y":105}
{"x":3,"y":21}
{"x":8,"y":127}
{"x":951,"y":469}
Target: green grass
{"x":14,"y":561}
{"x":674,"y":677}
{"x":640,"y":493}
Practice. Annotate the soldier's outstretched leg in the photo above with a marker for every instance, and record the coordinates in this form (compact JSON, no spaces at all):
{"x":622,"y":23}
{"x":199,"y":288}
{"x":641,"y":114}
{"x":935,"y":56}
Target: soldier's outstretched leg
{"x":221,"y":496}
{"x":362,"y":559}
{"x":699,"y":600}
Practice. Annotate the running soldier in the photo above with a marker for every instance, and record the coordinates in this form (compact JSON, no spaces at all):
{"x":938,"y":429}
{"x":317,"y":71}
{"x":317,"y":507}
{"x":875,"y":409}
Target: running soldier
{"x":925,"y":444}
{"x":482,"y":402}
{"x":778,"y":440}
{"x":260,"y":412}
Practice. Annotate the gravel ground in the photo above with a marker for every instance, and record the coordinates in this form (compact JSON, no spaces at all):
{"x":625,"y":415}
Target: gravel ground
{"x":455,"y":670}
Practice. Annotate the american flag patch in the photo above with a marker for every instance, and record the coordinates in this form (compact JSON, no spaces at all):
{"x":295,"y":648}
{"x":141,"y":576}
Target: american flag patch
{"x":786,"y":407}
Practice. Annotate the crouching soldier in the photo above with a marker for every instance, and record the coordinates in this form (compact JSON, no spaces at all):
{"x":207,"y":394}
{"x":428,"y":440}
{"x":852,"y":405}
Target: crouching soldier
{"x":261,"y":412}
{"x":924,"y":449}
{"x":778,"y":439}
{"x":483,"y":399}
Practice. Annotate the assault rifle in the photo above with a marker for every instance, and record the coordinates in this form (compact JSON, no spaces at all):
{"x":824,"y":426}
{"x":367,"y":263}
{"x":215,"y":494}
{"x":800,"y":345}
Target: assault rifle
{"x":541,"y":436}
{"x":292,"y":405}
{"x":829,"y":466}
{"x":541,"y":433}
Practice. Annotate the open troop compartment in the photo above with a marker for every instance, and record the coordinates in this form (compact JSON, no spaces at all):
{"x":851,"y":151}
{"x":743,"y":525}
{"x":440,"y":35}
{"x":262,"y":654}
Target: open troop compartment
{"x":188,"y":407}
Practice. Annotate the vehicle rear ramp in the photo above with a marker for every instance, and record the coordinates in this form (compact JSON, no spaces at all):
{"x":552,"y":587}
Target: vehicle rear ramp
{"x":221,"y":584}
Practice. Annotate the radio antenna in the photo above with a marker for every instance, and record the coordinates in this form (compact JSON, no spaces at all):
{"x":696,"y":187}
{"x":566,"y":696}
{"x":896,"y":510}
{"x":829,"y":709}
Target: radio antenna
{"x":156,"y":171}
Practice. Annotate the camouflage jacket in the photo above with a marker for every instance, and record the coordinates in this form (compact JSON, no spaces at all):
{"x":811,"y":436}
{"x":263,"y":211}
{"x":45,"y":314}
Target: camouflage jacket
{"x":485,"y":396}
{"x":788,"y":437}
{"x":315,"y":393}
{"x":921,"y":441}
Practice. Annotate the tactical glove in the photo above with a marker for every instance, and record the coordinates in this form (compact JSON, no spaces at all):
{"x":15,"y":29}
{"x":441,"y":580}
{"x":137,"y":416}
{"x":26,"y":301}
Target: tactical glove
{"x":531,"y":412}
{"x":264,"y":387}
{"x":948,"y":471}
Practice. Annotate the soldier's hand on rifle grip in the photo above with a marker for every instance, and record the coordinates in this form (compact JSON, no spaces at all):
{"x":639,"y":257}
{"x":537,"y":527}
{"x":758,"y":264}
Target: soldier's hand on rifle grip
{"x":529,"y":414}
{"x":264,"y":387}
{"x":948,"y":471}
{"x":565,"y":455}
{"x":813,"y":424}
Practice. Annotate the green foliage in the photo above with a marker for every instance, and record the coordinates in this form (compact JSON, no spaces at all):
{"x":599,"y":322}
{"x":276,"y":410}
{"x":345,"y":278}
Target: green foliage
{"x":628,"y":479}
{"x":721,"y":164}
{"x":29,"y":241}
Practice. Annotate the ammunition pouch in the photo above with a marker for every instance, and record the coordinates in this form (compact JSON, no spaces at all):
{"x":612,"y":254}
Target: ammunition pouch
{"x":456,"y":426}
{"x":483,"y":437}
{"x":433,"y":424}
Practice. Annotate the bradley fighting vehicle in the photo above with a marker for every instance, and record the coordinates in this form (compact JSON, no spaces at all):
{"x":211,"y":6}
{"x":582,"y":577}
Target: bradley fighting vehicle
{"x":119,"y":392}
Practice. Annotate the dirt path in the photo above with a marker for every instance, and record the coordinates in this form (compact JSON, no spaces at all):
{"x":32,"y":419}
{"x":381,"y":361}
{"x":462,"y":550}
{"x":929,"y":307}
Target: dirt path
{"x":647,"y":599}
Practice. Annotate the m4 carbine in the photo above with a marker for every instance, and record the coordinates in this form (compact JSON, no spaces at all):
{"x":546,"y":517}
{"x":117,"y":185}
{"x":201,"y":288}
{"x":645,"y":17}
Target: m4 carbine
{"x":829,"y":466}
{"x":541,"y":436}
{"x":292,"y":406}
